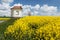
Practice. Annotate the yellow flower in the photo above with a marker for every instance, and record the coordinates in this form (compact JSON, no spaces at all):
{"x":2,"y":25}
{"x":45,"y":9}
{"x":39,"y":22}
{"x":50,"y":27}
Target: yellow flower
{"x":38,"y":27}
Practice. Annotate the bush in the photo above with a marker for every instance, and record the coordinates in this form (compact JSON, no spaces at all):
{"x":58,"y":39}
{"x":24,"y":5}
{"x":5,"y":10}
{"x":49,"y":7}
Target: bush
{"x":34,"y":28}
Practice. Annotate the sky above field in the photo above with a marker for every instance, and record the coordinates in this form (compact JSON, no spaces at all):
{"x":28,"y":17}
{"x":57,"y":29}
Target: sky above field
{"x":36,"y":7}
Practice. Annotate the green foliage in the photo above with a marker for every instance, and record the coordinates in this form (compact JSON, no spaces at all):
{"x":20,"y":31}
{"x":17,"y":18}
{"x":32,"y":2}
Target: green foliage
{"x":4,"y":25}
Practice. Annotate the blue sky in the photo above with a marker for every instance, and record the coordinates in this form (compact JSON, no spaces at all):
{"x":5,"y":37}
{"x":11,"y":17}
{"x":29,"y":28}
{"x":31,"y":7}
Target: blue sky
{"x":36,"y":7}
{"x":41,"y":2}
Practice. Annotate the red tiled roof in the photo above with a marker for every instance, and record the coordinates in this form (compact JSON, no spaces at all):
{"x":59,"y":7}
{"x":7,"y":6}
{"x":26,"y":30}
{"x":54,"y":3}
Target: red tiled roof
{"x":17,"y":7}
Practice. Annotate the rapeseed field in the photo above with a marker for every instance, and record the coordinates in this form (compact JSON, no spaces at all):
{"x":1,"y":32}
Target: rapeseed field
{"x":34,"y":28}
{"x":4,"y":19}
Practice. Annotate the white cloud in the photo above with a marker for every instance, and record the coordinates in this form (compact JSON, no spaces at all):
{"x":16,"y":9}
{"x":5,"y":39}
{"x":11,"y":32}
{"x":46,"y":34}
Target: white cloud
{"x":7,"y":1}
{"x":18,"y":4}
{"x":48,"y":10}
{"x":5,"y":8}
{"x":26,"y":6}
{"x":34,"y":10}
{"x":37,"y":7}
{"x":26,"y":9}
{"x":38,"y":10}
{"x":4,"y":13}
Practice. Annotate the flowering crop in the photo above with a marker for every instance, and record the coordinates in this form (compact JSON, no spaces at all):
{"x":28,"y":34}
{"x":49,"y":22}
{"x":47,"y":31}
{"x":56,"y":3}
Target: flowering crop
{"x":34,"y":28}
{"x":4,"y":19}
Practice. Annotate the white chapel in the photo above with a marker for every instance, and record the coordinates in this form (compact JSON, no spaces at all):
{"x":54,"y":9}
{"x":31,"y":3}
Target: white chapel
{"x":16,"y":11}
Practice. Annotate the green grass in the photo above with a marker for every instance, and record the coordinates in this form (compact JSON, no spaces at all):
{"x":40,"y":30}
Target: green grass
{"x":4,"y":25}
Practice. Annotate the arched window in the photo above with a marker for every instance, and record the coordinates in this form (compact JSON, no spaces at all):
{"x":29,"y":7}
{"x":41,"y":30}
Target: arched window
{"x":17,"y":12}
